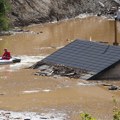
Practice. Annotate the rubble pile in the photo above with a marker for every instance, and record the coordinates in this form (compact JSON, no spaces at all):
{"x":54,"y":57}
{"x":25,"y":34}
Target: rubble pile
{"x":59,"y":70}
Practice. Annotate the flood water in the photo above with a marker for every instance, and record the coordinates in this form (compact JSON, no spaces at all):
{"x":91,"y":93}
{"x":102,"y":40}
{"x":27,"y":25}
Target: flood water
{"x":21,"y":90}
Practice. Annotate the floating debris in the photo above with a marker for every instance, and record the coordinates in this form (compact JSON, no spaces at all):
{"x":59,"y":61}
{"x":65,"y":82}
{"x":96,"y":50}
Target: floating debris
{"x":50,"y":70}
{"x":113,"y":87}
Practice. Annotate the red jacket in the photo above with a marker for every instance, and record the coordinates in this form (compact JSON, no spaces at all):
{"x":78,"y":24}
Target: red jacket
{"x":6,"y":56}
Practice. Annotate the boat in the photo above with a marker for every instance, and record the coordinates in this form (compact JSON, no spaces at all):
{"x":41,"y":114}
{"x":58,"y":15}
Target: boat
{"x":11,"y":60}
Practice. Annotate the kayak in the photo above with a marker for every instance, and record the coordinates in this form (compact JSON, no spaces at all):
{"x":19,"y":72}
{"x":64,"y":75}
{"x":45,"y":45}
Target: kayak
{"x":12,"y":60}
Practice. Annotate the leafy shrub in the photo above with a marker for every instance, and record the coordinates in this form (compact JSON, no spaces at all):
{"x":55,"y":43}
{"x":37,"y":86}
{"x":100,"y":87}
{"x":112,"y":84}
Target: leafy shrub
{"x":116,"y":111}
{"x":4,"y":10}
{"x":86,"y":116}
{"x":4,"y":23}
{"x":116,"y":115}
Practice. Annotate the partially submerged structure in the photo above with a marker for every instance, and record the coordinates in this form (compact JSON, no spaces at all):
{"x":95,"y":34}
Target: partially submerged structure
{"x":84,"y":60}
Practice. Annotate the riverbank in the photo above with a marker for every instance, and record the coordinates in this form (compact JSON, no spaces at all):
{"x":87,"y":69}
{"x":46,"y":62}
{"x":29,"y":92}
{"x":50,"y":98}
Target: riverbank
{"x":26,"y":12}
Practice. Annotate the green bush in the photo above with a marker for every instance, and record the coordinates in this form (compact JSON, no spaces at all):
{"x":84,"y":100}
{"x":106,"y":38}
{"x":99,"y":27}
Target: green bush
{"x":4,"y":10}
{"x":86,"y":116}
{"x":116,"y":115}
{"x":4,"y":23}
{"x":116,"y":111}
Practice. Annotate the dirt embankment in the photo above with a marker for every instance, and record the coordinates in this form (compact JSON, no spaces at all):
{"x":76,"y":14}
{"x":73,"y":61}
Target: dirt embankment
{"x":25,"y":12}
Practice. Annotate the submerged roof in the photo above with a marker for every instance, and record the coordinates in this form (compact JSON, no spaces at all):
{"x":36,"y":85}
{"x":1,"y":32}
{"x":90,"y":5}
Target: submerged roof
{"x":91,"y":56}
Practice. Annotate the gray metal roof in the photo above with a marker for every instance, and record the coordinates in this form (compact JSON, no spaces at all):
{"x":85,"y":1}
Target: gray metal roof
{"x":91,"y":56}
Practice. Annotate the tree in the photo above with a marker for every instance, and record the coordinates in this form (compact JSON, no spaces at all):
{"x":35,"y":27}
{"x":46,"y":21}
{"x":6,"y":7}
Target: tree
{"x":4,"y":10}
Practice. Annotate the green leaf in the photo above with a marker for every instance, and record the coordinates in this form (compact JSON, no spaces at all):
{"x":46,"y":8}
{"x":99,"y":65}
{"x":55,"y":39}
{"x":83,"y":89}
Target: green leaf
{"x":86,"y":116}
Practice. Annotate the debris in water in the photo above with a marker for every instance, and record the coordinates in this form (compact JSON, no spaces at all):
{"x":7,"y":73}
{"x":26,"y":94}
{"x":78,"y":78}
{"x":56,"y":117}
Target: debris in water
{"x":32,"y":91}
{"x":45,"y":69}
{"x":113,"y":87}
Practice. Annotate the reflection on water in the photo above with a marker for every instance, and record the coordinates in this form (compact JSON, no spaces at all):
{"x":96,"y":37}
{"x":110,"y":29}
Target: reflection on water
{"x":36,"y":91}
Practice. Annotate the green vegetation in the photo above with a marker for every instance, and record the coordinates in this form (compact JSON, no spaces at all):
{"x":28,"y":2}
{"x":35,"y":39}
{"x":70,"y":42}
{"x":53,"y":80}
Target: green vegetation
{"x":116,"y":115}
{"x":86,"y":116}
{"x":116,"y":111}
{"x":4,"y":10}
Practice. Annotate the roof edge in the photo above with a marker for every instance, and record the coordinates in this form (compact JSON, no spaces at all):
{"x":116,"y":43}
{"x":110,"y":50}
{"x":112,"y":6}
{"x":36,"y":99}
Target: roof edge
{"x":100,"y":73}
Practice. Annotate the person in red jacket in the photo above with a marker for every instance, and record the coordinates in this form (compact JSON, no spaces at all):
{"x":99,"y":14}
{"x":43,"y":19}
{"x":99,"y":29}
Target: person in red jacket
{"x":6,"y":55}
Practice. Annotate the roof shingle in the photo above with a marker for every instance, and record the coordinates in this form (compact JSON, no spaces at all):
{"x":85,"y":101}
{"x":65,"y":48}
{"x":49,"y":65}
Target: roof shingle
{"x":91,"y":56}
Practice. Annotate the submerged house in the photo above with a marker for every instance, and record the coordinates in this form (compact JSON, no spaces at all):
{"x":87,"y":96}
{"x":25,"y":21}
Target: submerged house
{"x":96,"y":60}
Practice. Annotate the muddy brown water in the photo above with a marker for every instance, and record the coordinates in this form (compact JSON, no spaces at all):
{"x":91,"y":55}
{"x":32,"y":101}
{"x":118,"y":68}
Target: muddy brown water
{"x":21,"y":90}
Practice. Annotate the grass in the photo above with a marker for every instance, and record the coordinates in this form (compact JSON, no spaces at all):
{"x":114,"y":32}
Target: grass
{"x":86,"y":116}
